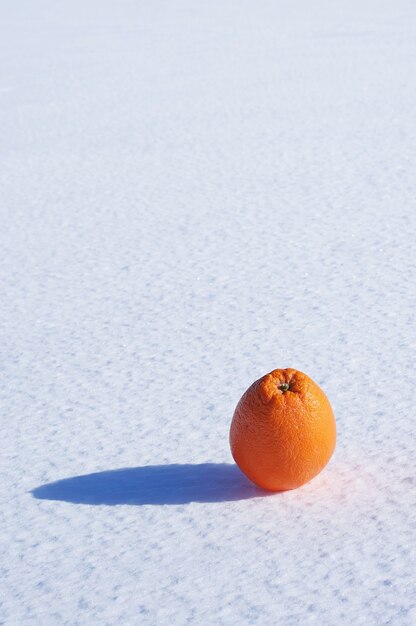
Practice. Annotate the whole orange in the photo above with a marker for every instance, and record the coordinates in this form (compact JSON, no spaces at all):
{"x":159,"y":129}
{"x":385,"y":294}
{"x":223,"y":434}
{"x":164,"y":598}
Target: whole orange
{"x":283,"y":430}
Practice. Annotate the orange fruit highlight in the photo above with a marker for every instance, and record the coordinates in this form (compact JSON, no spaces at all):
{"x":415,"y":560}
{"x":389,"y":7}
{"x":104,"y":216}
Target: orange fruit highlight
{"x":283,"y":430}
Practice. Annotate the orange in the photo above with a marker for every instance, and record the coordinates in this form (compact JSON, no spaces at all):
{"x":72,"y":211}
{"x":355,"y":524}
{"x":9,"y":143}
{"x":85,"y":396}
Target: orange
{"x":283,"y":430}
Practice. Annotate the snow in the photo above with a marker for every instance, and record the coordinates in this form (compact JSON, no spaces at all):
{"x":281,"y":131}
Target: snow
{"x":193,"y":194}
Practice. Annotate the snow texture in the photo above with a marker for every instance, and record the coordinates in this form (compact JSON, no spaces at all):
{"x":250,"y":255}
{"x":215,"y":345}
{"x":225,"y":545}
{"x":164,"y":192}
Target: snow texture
{"x":192,"y":194}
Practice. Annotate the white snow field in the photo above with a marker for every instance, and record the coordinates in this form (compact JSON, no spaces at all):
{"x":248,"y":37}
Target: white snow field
{"x":192,"y":194}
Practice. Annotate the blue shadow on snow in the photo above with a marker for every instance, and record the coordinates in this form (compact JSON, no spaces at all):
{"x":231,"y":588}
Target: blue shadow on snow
{"x":154,"y":484}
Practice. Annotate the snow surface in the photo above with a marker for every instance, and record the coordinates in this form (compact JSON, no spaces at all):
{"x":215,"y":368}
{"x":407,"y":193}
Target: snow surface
{"x":192,"y":194}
